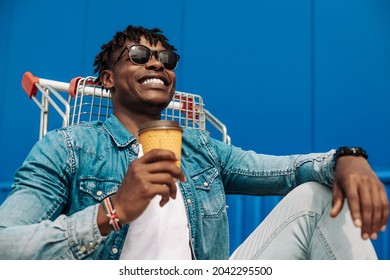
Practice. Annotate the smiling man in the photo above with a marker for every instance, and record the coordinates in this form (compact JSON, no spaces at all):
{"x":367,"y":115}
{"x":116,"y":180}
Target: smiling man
{"x":89,"y":192}
{"x":141,"y":90}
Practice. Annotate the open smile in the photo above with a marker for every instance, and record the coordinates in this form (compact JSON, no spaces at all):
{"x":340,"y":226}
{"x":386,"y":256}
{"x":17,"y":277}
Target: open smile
{"x":154,"y":81}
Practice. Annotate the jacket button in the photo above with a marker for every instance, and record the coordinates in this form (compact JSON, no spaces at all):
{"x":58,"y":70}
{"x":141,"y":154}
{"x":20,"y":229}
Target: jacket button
{"x":114,"y":250}
{"x":83,"y":249}
{"x":205,"y":184}
{"x":189,"y":201}
{"x":99,"y":193}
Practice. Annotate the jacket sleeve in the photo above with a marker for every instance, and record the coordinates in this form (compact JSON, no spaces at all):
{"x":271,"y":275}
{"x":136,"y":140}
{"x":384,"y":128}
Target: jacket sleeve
{"x":248,"y":172}
{"x":32,"y":224}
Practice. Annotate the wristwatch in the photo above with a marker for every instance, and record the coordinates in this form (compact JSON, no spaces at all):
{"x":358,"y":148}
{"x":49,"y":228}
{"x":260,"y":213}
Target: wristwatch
{"x":350,"y":151}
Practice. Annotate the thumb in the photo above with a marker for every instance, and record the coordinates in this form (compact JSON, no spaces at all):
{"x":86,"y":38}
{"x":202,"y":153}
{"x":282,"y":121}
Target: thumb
{"x":337,"y":201}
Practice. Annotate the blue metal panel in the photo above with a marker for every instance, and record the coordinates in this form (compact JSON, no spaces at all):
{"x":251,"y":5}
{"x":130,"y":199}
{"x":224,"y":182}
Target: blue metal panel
{"x":5,"y":188}
{"x":352,"y":75}
{"x":3,"y":193}
{"x":251,"y":61}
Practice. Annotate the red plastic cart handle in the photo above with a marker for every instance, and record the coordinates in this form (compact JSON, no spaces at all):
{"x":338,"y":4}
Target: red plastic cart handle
{"x":28,"y":84}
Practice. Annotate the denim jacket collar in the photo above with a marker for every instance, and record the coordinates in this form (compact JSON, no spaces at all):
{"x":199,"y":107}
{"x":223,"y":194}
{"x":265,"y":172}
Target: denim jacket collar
{"x":121,"y":136}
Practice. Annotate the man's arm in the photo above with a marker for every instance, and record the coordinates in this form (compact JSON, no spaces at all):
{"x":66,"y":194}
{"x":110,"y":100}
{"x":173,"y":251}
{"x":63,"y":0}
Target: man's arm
{"x":31,"y":224}
{"x":73,"y":237}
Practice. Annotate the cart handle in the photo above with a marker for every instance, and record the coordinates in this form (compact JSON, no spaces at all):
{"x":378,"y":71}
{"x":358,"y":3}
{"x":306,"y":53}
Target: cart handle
{"x":29,"y":82}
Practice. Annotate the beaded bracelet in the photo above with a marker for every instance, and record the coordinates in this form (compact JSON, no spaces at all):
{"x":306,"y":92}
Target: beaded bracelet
{"x":111,"y":214}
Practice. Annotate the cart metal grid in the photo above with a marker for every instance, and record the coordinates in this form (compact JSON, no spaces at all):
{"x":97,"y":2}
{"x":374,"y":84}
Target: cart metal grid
{"x":81,"y":100}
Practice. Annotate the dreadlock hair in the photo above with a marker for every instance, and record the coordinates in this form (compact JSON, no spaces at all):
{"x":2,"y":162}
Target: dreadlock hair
{"x":105,"y":58}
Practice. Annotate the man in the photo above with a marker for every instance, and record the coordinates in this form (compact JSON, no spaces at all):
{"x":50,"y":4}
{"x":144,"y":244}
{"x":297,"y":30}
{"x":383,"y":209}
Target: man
{"x":88,"y":192}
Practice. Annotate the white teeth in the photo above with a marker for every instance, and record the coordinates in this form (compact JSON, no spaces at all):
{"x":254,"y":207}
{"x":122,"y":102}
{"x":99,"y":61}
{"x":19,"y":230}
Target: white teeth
{"x":153,"y":81}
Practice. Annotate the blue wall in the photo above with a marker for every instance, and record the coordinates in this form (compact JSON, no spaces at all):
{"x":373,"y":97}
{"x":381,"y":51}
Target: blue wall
{"x":285,"y":76}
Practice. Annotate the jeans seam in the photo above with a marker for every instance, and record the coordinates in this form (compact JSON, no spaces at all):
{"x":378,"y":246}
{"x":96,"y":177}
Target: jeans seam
{"x":282,"y":226}
{"x":326,"y":245}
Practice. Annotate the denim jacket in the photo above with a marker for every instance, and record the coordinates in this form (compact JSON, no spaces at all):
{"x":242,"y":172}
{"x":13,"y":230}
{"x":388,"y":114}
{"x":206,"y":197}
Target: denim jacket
{"x":52,"y":208}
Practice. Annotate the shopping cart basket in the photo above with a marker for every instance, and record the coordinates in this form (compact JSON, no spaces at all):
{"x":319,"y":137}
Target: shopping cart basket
{"x":82,"y":100}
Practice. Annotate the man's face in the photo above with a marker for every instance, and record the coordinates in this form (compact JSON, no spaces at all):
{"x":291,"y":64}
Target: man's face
{"x":142,"y":89}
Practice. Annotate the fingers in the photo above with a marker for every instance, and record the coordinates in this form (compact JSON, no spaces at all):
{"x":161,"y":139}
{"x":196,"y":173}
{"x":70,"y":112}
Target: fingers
{"x":375,"y":208}
{"x":376,"y":214}
{"x":385,"y":216}
{"x":157,"y":175}
{"x":164,"y":191}
{"x":354,"y":205}
{"x":163,"y":184}
{"x":368,"y":205}
{"x":337,"y":202}
{"x":153,"y":174}
{"x":365,"y":194}
{"x":160,"y":160}
{"x":368,"y":214}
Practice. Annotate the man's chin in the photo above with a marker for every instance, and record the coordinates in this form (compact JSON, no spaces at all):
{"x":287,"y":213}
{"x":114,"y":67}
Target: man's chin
{"x":157,"y":105}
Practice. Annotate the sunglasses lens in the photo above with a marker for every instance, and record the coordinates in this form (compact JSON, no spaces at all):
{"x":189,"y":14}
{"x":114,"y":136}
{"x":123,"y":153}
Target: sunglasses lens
{"x":168,"y":59}
{"x":139,"y":54}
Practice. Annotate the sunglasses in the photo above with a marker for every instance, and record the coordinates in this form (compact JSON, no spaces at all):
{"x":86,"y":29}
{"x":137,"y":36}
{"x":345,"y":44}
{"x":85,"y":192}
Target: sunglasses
{"x":140,"y":55}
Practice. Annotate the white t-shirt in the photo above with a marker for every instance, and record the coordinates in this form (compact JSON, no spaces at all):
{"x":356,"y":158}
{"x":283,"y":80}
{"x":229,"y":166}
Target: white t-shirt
{"x":160,"y":232}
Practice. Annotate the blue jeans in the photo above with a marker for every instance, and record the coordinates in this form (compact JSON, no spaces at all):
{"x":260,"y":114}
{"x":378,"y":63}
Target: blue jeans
{"x":300,"y":227}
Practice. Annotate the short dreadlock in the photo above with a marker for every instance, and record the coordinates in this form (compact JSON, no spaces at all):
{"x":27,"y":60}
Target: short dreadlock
{"x":132,"y":33}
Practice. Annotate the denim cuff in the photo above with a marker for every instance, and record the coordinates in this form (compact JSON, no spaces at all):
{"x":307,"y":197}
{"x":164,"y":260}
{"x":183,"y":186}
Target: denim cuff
{"x":83,"y":231}
{"x":328,"y":167}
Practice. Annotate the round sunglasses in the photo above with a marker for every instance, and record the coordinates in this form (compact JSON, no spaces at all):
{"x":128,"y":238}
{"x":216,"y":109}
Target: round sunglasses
{"x":140,"y":54}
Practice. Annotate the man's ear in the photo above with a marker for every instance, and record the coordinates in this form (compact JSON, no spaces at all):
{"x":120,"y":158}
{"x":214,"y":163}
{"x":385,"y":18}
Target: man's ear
{"x":107,"y":79}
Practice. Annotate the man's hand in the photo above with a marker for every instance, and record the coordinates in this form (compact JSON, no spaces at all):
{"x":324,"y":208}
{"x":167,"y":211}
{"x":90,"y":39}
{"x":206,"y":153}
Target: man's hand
{"x":355,"y":181}
{"x":153,"y":174}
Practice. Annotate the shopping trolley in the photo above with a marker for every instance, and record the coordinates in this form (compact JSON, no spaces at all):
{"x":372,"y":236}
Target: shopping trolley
{"x":82,"y":100}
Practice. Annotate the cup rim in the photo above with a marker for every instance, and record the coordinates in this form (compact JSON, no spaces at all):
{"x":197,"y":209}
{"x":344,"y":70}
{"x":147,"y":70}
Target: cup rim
{"x":159,"y":124}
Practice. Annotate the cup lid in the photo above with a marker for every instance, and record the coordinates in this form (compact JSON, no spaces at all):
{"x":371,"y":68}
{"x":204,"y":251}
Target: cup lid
{"x":159,"y":124}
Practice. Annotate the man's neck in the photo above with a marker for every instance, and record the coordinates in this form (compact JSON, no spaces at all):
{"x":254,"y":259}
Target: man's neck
{"x":133,"y":121}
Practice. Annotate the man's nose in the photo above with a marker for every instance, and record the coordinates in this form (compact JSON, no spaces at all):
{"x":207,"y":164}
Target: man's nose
{"x":154,"y":62}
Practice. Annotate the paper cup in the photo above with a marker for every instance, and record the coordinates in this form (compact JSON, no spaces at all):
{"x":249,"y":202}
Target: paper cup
{"x":161,"y":134}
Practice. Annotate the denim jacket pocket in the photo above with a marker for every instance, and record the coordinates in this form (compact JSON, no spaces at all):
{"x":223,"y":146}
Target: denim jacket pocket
{"x":94,"y":190}
{"x":210,"y":192}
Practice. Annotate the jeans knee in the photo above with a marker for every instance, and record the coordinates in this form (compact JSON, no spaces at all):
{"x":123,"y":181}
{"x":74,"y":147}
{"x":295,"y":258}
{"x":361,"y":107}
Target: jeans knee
{"x":311,"y":196}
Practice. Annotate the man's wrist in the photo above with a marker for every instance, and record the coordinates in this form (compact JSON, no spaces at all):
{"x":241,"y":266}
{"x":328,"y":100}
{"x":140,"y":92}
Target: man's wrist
{"x":349,"y":151}
{"x":103,"y":221}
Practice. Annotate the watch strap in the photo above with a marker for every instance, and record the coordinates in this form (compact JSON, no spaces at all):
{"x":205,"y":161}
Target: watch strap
{"x":350,"y":151}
